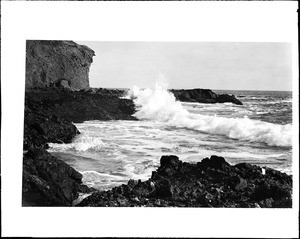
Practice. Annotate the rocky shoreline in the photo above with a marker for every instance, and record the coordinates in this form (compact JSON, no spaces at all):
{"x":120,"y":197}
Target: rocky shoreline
{"x":48,"y":181}
{"x":58,"y":95}
{"x":210,"y":183}
{"x":49,"y":113}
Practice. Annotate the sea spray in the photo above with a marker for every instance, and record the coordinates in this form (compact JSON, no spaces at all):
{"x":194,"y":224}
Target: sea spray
{"x":159,"y":104}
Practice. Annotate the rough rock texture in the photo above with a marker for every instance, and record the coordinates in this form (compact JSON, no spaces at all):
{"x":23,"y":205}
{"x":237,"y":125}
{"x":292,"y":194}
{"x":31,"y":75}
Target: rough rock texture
{"x":105,"y":91}
{"x":204,"y":96}
{"x":49,"y":113}
{"x":48,"y":181}
{"x":53,"y":63}
{"x":209,"y":183}
{"x":42,"y":127}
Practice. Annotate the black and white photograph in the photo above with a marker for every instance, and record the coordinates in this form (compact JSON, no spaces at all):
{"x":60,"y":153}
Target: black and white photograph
{"x":154,"y":123}
{"x":100,"y":140}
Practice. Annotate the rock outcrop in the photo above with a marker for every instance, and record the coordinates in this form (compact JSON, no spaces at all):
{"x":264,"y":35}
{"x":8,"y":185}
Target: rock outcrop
{"x":42,"y":127}
{"x":57,"y":63}
{"x":49,"y":113}
{"x":210,"y":183}
{"x":204,"y":96}
{"x":48,"y":181}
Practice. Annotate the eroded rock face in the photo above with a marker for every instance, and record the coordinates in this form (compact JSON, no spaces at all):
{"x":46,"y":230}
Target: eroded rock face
{"x":204,"y":96}
{"x":213,"y":182}
{"x":48,"y":181}
{"x":57,"y":63}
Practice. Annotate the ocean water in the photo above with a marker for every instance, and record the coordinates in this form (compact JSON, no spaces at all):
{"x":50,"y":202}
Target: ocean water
{"x":109,"y":153}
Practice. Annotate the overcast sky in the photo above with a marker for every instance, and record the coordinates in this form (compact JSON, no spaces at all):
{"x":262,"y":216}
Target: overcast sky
{"x":227,"y":66}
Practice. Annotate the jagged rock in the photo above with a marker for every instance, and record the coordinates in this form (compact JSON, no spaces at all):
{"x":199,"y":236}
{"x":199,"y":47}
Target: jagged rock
{"x":214,"y":162}
{"x":210,"y":183}
{"x":170,"y":161}
{"x":48,"y":181}
{"x":42,"y":127}
{"x":204,"y":96}
{"x":62,"y":64}
{"x":242,"y":184}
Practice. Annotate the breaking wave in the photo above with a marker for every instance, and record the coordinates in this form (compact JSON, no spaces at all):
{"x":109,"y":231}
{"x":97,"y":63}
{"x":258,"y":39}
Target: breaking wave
{"x":160,"y":105}
{"x":81,"y":143}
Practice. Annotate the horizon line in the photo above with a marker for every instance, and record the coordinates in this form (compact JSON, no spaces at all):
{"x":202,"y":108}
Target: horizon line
{"x":190,"y":89}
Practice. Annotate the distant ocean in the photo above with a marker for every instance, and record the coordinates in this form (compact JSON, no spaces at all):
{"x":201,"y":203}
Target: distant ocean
{"x":109,"y":153}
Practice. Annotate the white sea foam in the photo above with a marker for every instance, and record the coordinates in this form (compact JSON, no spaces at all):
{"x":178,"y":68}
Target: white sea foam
{"x":100,"y":181}
{"x":228,"y":103}
{"x":160,"y":105}
{"x":290,"y":100}
{"x":83,"y":142}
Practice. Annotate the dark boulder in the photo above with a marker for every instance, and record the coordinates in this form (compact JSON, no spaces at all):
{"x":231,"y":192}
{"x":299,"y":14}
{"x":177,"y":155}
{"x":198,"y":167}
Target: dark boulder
{"x":214,"y":162}
{"x":170,"y":161}
{"x":42,"y":127}
{"x":48,"y":181}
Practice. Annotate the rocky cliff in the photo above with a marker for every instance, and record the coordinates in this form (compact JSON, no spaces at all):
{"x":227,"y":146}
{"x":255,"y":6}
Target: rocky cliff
{"x":57,"y":63}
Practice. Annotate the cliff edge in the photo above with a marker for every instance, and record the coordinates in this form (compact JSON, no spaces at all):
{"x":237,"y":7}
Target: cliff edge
{"x":57,"y":63}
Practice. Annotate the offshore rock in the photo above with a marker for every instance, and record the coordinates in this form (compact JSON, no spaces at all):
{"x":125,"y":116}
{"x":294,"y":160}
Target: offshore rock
{"x":57,"y":63}
{"x":48,"y":181}
{"x":213,"y":182}
{"x":204,"y":96}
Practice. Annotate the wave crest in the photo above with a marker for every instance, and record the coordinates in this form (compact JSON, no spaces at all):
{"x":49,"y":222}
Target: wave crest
{"x":160,"y":105}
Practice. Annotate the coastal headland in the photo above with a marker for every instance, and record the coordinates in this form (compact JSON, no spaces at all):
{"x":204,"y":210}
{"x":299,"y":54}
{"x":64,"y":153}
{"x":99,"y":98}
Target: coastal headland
{"x":58,"y":95}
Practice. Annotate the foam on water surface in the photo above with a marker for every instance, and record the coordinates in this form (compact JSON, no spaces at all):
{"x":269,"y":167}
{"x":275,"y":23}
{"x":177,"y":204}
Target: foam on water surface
{"x":109,"y":153}
{"x":160,"y":105}
{"x":136,"y":153}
